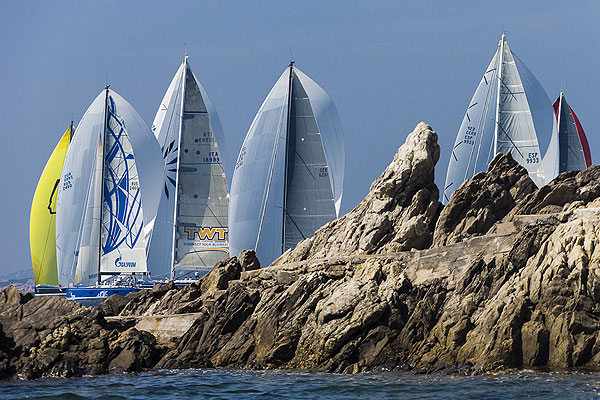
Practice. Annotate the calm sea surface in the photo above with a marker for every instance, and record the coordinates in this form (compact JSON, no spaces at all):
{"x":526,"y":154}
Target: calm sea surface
{"x":230,"y":384}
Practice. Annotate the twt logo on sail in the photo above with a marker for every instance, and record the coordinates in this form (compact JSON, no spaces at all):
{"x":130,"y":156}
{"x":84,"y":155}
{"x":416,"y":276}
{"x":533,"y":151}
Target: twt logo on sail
{"x":124,"y":264}
{"x":205,"y":232}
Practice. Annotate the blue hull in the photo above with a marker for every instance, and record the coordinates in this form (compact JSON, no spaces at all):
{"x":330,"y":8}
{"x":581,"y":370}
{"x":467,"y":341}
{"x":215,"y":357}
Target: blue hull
{"x":100,"y":292}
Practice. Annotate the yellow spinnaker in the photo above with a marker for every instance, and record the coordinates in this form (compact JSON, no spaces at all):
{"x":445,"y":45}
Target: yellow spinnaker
{"x":42,"y":221}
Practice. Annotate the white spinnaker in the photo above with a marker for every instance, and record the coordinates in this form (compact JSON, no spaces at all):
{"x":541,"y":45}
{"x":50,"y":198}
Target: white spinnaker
{"x":255,"y":205}
{"x":166,"y":129}
{"x":148,"y":160}
{"x":516,"y":128}
{"x":123,"y":240}
{"x":77,"y":198}
{"x":471,"y":152}
{"x":332,"y":134}
{"x":524,"y":115}
{"x":78,"y":203}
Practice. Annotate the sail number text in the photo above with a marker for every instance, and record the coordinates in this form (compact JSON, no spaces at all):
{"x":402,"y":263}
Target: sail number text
{"x":470,"y":135}
{"x":323,"y":173}
{"x":67,"y":181}
{"x":532,"y":158}
{"x":213,"y":157}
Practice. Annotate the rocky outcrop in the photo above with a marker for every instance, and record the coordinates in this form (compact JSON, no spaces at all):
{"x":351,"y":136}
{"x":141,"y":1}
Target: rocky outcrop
{"x":398,"y":214}
{"x":568,"y":191}
{"x":512,"y":280}
{"x":479,"y":203}
{"x":54,"y":337}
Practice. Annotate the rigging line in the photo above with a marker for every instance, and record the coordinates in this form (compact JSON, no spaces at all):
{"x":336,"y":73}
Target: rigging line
{"x":294,"y":222}
{"x":481,"y":127}
{"x":181,"y":91}
{"x":308,"y":169}
{"x":509,"y":138}
{"x":479,"y":132}
{"x":214,"y":216}
{"x":507,"y":88}
{"x":268,"y":183}
{"x":287,"y":150}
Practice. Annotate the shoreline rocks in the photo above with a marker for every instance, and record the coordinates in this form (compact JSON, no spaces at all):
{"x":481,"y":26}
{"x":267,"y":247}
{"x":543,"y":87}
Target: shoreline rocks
{"x":505,"y":276}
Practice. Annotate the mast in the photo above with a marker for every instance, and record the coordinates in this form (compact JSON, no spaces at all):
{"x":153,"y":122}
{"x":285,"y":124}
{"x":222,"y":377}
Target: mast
{"x":102,"y":184}
{"x":498,"y":94}
{"x":72,"y":132}
{"x":287,"y":136}
{"x":176,"y":199}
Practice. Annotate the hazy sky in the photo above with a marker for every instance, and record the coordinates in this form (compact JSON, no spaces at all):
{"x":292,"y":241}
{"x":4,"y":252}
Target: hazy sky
{"x":386,"y":64}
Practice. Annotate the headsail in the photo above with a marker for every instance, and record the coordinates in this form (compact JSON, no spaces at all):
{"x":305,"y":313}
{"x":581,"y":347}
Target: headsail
{"x":510,"y":112}
{"x":288,"y":178}
{"x":104,"y":213}
{"x":569,"y":149}
{"x":191,"y":230}
{"x":42,"y":229}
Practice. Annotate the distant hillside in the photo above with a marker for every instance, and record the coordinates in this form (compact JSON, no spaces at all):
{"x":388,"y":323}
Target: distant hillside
{"x":22,"y":279}
{"x":26,"y":273}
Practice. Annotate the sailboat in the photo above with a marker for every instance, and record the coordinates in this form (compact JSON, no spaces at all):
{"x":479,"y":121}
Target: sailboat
{"x":288,"y":178}
{"x":108,"y":196}
{"x":42,"y":221}
{"x":569,"y":149}
{"x":191,"y":231}
{"x":509,"y":113}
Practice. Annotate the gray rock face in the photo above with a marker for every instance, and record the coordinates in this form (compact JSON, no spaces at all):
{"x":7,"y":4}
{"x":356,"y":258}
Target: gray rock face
{"x":482,"y":201}
{"x":513,"y":280}
{"x":398,"y":214}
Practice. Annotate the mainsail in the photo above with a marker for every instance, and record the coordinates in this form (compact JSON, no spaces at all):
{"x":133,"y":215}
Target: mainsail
{"x":191,"y":231}
{"x":569,"y":149}
{"x":104,"y":214}
{"x":509,"y":113}
{"x":288,"y":178}
{"x":42,"y":228}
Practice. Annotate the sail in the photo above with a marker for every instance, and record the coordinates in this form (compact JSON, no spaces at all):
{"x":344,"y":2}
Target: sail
{"x":309,"y":200}
{"x":509,"y":113}
{"x":569,"y":149}
{"x":255,"y":208}
{"x":123,"y":242}
{"x":101,"y":193}
{"x":516,"y":130}
{"x":42,"y":229}
{"x":282,"y":191}
{"x":473,"y":148}
{"x":191,"y":230}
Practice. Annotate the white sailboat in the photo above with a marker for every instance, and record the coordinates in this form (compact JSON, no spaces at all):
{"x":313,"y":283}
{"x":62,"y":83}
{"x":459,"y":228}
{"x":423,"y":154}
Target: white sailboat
{"x":108,"y":194}
{"x":288,"y":178}
{"x":191,"y":231}
{"x":569,"y":149}
{"x":509,"y":113}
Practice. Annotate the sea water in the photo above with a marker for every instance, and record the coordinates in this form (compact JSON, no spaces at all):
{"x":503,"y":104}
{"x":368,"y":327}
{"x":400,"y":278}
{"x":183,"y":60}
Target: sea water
{"x":238,"y":384}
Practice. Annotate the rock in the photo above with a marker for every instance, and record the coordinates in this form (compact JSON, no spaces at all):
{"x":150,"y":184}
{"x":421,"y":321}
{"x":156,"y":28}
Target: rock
{"x":248,"y":260}
{"x":398,"y":214}
{"x":568,"y":191}
{"x":218,"y":278}
{"x":479,"y":203}
{"x":512,"y":280}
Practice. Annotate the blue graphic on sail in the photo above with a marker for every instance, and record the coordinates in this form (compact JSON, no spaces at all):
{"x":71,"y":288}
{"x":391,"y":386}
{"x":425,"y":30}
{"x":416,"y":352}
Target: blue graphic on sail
{"x":122,"y":220}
